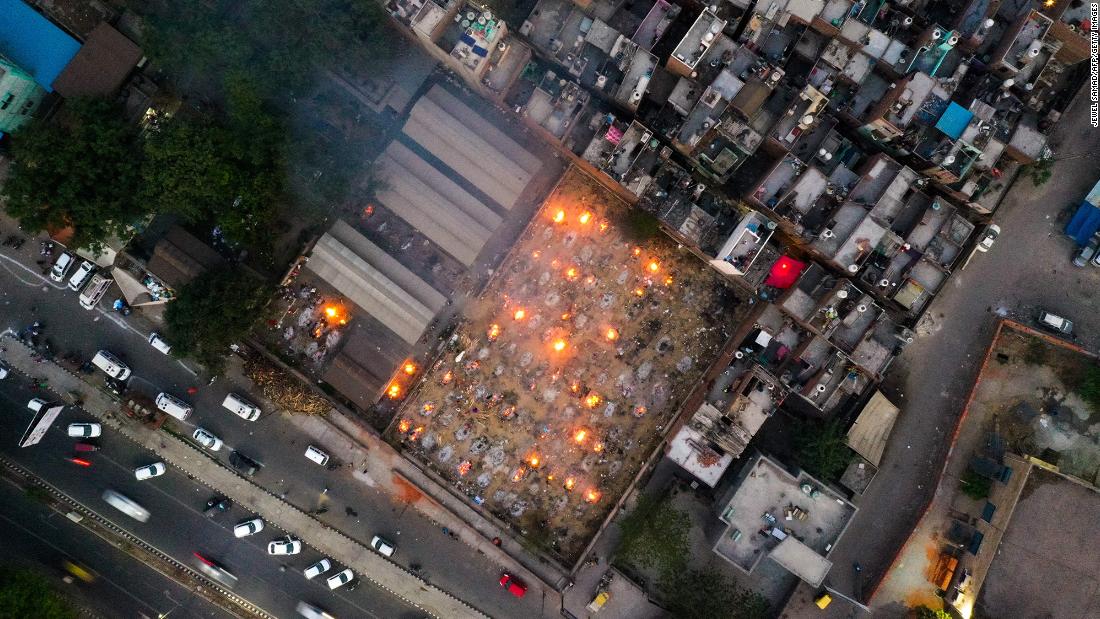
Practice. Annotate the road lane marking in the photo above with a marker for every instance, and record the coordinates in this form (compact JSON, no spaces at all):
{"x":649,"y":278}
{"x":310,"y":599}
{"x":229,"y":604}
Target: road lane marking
{"x":65,"y":552}
{"x":41,"y":278}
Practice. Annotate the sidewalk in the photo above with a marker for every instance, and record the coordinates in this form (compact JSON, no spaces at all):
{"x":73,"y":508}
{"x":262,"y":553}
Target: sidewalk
{"x":365,"y":562}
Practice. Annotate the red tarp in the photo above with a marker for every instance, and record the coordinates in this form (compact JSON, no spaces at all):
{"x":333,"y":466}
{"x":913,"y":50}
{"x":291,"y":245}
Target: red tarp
{"x":784,"y":272}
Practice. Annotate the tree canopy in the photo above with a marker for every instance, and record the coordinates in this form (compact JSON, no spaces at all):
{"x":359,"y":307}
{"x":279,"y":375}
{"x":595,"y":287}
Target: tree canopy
{"x":822,"y":448}
{"x":212,"y":311}
{"x":229,"y":173}
{"x":25,"y":594}
{"x":703,"y":594}
{"x":81,"y":169}
{"x":279,"y":42}
{"x":655,"y":535}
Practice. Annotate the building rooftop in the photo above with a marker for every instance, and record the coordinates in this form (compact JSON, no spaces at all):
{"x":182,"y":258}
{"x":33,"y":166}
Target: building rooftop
{"x":698,"y":39}
{"x":34,"y":43}
{"x":744,"y":245}
{"x":101,"y":66}
{"x":769,"y":505}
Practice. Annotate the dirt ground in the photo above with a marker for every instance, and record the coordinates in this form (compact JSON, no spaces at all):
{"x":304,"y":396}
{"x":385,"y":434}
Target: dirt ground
{"x":1028,"y":395}
{"x":567,"y":371}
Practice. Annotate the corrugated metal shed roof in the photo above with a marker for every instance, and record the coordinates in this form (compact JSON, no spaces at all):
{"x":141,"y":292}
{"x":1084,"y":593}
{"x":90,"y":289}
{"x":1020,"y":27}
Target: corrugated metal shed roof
{"x":34,"y":43}
{"x":375,"y":282}
{"x":872,"y":428}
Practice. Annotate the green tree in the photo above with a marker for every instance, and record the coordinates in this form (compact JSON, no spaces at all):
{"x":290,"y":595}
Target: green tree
{"x":227,"y":174}
{"x":212,"y":311}
{"x":1090,"y":387}
{"x":822,"y":448}
{"x":25,"y":594}
{"x":706,"y":594}
{"x":655,"y":535}
{"x":974,"y":485}
{"x":80,"y":169}
{"x":924,"y":612}
{"x":1041,"y":171}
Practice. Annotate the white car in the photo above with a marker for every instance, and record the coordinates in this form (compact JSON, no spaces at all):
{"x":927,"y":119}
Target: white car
{"x":156,"y":341}
{"x":309,"y":611}
{"x":207,"y":440}
{"x":61,"y":268}
{"x":384,"y":547}
{"x":285,"y":546}
{"x":248,"y":527}
{"x":85,"y":430}
{"x":148,"y":471}
{"x":339,"y":579}
{"x":317,"y":569}
{"x":988,"y":236}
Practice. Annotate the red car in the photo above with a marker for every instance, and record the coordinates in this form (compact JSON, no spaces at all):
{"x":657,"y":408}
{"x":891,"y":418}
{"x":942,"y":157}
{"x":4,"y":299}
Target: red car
{"x":514,"y":585}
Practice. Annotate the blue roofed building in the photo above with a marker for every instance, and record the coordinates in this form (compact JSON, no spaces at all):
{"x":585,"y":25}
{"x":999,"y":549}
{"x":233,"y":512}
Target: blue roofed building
{"x":33,"y":52}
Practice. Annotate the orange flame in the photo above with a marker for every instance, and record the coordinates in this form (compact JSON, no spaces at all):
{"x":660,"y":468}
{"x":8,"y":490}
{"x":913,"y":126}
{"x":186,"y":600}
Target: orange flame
{"x":585,"y":217}
{"x":559,"y":216}
{"x":570,"y":482}
{"x":410,"y":368}
{"x":534,"y":461}
{"x":612,"y":334}
{"x":559,"y":345}
{"x":464,"y":468}
{"x":520,"y":314}
{"x":494,"y":331}
{"x":654,"y":266}
{"x":580,"y":435}
{"x":592,"y":495}
{"x":403,"y":426}
{"x":592,"y":400}
{"x":394,"y":391}
{"x":571,"y":273}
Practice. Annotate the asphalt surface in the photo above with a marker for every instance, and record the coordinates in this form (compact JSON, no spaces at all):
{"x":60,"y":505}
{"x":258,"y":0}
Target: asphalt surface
{"x":38,"y":538}
{"x":1028,"y":269}
{"x":351,"y":506}
{"x":177,"y":526}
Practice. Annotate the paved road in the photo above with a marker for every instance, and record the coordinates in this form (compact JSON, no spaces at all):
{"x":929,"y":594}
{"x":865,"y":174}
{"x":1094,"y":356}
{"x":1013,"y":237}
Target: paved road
{"x":353,"y":508}
{"x":38,"y":538}
{"x":1028,"y":268}
{"x":178,"y":526}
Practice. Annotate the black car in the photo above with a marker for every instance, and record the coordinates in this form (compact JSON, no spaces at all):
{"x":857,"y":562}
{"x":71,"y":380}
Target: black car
{"x":217,"y":505}
{"x":243,"y":463}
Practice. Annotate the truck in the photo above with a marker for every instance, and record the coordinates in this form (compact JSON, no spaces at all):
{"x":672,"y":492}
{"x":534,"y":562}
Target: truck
{"x":1086,"y":219}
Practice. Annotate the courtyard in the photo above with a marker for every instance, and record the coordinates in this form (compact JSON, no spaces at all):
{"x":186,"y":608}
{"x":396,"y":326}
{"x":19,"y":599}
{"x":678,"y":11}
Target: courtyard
{"x":565,"y":374}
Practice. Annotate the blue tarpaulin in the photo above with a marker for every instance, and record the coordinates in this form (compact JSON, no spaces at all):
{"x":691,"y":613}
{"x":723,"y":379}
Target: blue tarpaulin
{"x":1084,"y":223}
{"x":954,"y":120}
{"x":34,"y":43}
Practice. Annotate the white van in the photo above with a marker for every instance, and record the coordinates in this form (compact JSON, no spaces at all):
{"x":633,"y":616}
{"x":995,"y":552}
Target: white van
{"x":61,"y":267}
{"x":173,"y":406}
{"x":126,"y":505}
{"x":110,"y":365}
{"x":316,"y":455}
{"x":80,"y":277}
{"x":156,"y":341}
{"x":95,"y":290}
{"x":241,"y":407}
